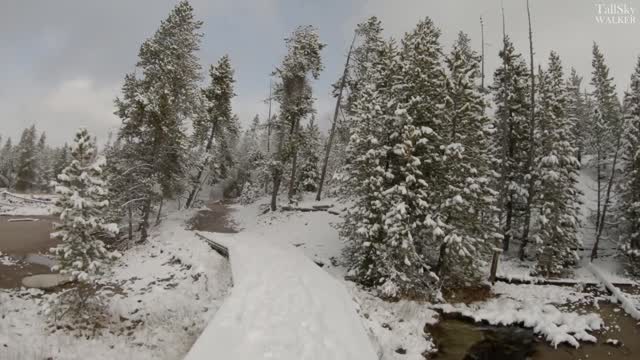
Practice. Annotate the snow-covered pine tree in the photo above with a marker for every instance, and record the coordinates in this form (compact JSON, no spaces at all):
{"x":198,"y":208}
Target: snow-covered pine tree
{"x":43,"y":163}
{"x":216,"y":129}
{"x":605,"y":123}
{"x":81,"y":208}
{"x":630,"y":184}
{"x":557,"y":174}
{"x":468,"y":208}
{"x":294,"y":94}
{"x":310,"y":157}
{"x":26,"y":175}
{"x":577,"y":112}
{"x":61,"y":160}
{"x":83,"y":200}
{"x":418,"y":90}
{"x":251,"y":172}
{"x":369,"y":41}
{"x":154,"y":106}
{"x":511,"y":144}
{"x":7,"y":164}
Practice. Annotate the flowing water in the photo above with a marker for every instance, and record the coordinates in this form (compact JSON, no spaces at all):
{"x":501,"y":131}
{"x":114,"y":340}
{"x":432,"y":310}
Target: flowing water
{"x":462,"y":340}
{"x":24,"y":246}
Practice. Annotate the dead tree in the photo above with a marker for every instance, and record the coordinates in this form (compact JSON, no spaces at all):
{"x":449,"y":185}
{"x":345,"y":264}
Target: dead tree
{"x":530,"y":155}
{"x":327,"y":152}
{"x":482,"y":53}
{"x":600,"y":221}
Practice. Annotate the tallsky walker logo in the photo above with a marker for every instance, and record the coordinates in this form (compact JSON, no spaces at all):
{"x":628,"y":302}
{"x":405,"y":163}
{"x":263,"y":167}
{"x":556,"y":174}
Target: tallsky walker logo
{"x":615,"y":14}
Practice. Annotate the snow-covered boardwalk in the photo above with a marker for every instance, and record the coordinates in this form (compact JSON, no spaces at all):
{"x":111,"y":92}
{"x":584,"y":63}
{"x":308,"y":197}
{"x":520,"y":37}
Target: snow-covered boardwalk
{"x":282,"y":306}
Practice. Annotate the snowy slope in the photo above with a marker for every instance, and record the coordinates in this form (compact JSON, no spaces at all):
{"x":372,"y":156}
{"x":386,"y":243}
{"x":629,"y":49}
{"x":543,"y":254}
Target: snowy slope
{"x":282,"y":306}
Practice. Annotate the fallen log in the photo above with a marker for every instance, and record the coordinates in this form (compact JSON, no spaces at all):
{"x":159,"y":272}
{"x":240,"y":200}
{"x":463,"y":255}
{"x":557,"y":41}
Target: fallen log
{"x":541,"y":281}
{"x":311,"y":209}
{"x":220,"y":249}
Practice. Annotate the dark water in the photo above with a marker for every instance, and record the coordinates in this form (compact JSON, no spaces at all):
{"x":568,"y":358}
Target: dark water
{"x":462,"y":340}
{"x":25,"y":246}
{"x":214,"y":219}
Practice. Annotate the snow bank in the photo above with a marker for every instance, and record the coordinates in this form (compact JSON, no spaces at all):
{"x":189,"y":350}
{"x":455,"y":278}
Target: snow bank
{"x":546,"y":320}
{"x":282,"y":306}
{"x":627,"y":305}
{"x":396,"y":326}
{"x":167,"y":290}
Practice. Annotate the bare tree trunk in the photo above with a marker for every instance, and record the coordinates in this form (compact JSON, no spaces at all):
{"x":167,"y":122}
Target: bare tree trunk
{"x":266,"y":183}
{"x":159,"y":212}
{"x":530,"y":157}
{"x":327,"y":152}
{"x":130,"y":213}
{"x":196,"y":186}
{"x":144,"y":225}
{"x":599,"y":180}
{"x":594,"y":251}
{"x":277,"y":177}
{"x":507,"y":196}
{"x":269,"y":119}
{"x":482,"y":53}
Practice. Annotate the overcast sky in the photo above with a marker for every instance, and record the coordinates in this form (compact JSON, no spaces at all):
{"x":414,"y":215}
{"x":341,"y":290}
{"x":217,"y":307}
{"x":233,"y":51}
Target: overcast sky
{"x":63,"y":61}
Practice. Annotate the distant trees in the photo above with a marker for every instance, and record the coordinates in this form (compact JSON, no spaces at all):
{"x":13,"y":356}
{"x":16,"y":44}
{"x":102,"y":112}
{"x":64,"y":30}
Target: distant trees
{"x":29,"y":165}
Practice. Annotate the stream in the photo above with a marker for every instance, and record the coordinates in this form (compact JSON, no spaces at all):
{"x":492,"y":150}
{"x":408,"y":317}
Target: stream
{"x":24,"y":246}
{"x":462,"y":340}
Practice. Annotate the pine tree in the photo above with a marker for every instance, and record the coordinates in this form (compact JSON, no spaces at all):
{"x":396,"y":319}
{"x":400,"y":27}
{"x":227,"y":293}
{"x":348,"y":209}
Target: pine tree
{"x":294,"y":94}
{"x":217,"y":127}
{"x":43,"y":164}
{"x":310,"y":157}
{"x":61,"y":160}
{"x":577,"y":112}
{"x":7,"y":164}
{"x":153,"y":107}
{"x":26,"y":161}
{"x":468,"y":207}
{"x":630,"y":186}
{"x":83,"y":200}
{"x":390,"y":219}
{"x":605,"y":131}
{"x":511,"y":140}
{"x":557,"y":195}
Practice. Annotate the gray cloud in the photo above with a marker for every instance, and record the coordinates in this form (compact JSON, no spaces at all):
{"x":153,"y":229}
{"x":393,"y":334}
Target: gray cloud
{"x":63,"y":60}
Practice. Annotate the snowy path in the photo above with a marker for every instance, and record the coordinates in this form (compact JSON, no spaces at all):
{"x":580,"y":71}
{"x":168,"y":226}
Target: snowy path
{"x":282,"y":306}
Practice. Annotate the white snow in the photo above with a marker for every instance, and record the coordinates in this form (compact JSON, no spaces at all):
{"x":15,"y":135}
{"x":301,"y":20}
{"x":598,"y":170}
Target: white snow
{"x":545,"y":319}
{"x":627,"y":305}
{"x":282,"y":306}
{"x":167,"y":290}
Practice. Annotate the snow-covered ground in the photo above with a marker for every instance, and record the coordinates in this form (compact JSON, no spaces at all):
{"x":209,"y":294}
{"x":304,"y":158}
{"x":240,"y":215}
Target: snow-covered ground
{"x":17,"y":204}
{"x":166,"y":291}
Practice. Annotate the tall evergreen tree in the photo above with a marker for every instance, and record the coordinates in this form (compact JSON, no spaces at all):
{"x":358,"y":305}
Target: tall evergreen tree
{"x":468,"y":205}
{"x":605,"y":123}
{"x":217,"y":126}
{"x":510,"y":89}
{"x":154,"y":105}
{"x":294,"y":94}
{"x":310,"y":157}
{"x":630,"y":186}
{"x":7,"y":164}
{"x":557,"y":169}
{"x":81,"y":208}
{"x":577,"y":112}
{"x":26,"y":161}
